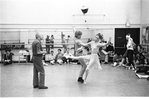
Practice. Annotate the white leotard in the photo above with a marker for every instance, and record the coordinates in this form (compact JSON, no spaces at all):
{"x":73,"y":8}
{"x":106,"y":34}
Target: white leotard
{"x":93,"y":58}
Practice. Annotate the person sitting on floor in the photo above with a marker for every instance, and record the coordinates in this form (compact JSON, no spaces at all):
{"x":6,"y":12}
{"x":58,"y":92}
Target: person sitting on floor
{"x":58,"y":58}
{"x":124,"y":60}
{"x":8,"y":57}
{"x":117,"y":59}
{"x":66,"y":58}
{"x":52,"y":58}
{"x":43,"y":61}
{"x":105,"y":53}
{"x":140,"y":56}
{"x":142,"y":72}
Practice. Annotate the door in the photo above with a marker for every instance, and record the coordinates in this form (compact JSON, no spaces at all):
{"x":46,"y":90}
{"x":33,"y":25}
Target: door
{"x":120,"y":38}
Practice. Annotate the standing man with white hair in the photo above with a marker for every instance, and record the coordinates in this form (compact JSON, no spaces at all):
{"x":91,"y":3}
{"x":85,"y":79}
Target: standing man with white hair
{"x":38,"y":71}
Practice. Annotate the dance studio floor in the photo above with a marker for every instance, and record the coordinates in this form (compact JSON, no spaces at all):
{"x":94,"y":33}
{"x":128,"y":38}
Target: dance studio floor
{"x":16,"y":81}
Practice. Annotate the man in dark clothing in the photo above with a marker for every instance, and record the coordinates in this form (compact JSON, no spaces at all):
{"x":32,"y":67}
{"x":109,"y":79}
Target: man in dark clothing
{"x":48,"y":41}
{"x":38,"y":80}
{"x":8,"y":57}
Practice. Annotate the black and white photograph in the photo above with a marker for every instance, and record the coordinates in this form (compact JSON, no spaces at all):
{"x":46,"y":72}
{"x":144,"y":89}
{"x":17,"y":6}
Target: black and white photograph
{"x":74,"y":48}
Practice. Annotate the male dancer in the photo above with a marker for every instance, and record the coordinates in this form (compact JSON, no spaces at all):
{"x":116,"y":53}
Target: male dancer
{"x":78,"y":52}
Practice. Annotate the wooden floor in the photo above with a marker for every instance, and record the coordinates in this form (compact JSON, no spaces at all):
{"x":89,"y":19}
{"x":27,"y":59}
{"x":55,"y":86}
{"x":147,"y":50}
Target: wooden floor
{"x":16,"y":81}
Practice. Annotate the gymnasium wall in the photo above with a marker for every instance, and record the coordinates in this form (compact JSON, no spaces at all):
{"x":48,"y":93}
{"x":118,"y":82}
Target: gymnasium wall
{"x":23,"y":17}
{"x":144,"y":19}
{"x":145,"y":12}
{"x":62,"y":11}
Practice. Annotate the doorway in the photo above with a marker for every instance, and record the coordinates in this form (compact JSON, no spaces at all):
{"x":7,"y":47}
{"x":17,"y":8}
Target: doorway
{"x":120,"y":38}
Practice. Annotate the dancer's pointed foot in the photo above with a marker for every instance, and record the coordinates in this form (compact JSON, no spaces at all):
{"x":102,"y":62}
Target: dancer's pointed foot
{"x":84,"y":81}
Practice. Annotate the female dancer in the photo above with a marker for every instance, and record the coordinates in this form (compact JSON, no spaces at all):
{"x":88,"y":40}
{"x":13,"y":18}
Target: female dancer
{"x":93,"y":58}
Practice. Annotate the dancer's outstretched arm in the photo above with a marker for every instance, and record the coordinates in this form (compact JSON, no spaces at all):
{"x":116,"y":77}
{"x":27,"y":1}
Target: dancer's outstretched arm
{"x":83,"y":44}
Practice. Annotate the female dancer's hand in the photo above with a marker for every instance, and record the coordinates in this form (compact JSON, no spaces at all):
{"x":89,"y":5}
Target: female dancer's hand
{"x":109,"y":40}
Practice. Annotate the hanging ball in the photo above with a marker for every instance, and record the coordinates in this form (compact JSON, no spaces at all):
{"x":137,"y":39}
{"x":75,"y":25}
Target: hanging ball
{"x":84,"y":9}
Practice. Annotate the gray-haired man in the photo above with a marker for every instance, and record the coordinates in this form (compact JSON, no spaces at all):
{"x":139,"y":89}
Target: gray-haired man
{"x":38,"y":70}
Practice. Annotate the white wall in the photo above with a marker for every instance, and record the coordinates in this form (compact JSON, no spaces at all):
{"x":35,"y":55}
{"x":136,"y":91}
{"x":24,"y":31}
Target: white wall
{"x":144,"y":17}
{"x":62,"y":11}
{"x":51,"y":15}
{"x":10,"y":37}
{"x":145,"y":12}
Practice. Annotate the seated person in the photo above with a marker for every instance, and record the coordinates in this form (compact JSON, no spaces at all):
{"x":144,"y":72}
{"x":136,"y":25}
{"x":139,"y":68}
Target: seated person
{"x":58,"y":58}
{"x":141,"y":58}
{"x":117,"y":59}
{"x":142,"y":72}
{"x":43,"y":61}
{"x":65,"y":57}
{"x":147,"y":58}
{"x":140,"y":55}
{"x":52,"y":58}
{"x":108,"y":50}
{"x":8,"y":57}
{"x":124,"y":60}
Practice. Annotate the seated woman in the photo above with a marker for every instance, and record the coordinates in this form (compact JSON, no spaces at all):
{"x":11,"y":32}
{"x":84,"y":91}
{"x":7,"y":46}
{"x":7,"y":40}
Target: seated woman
{"x":66,"y":58}
{"x":107,"y":51}
{"x":58,"y":58}
{"x":124,"y":60}
{"x":117,"y":59}
{"x":140,"y":55}
{"x":8,"y":57}
{"x":52,"y":58}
